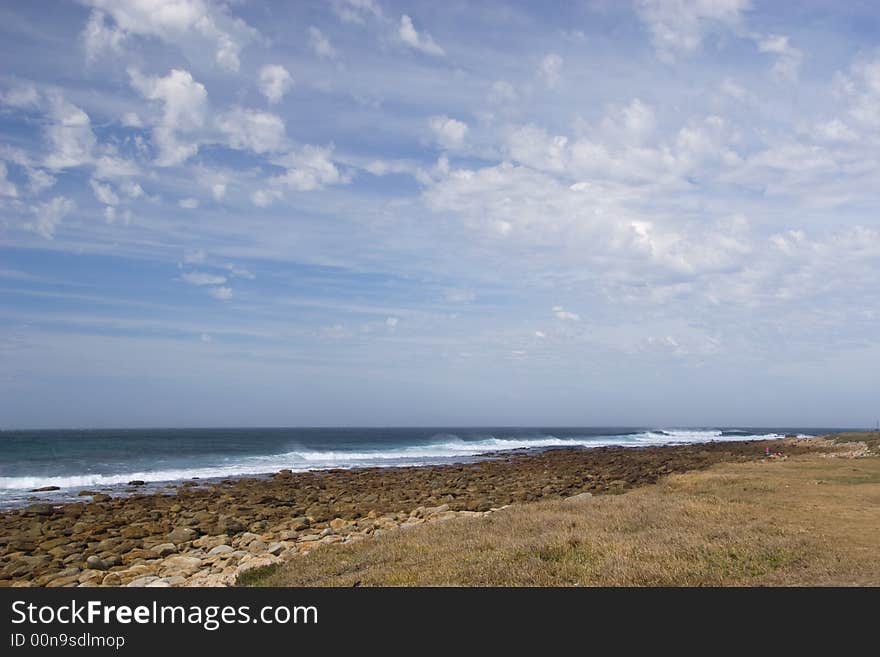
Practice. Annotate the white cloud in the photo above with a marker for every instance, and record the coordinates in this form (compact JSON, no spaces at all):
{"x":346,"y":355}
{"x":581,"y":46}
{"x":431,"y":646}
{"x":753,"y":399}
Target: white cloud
{"x":7,"y":187}
{"x":423,"y":42}
{"x":835,"y":130}
{"x":730,"y":88}
{"x":550,"y":70}
{"x":202,"y":278}
{"x":502,"y":92}
{"x":449,"y":133}
{"x":184,"y":103}
{"x":679,"y":26}
{"x":320,"y":44}
{"x":240,"y":272}
{"x":788,"y":58}
{"x":218,"y":191}
{"x":188,"y":24}
{"x":69,"y":134}
{"x":104,"y":193}
{"x":132,"y":120}
{"x":131,"y":189}
{"x":356,"y":11}
{"x":392,"y":322}
{"x":39,"y":180}
{"x":566,"y":316}
{"x":21,"y":96}
{"x":222,"y":293}
{"x":206,"y":338}
{"x":308,"y":169}
{"x":100,"y":37}
{"x":263,"y":198}
{"x":248,"y":129}
{"x":188,"y":203}
{"x":49,"y":215}
{"x":860,"y":89}
{"x":275,"y":82}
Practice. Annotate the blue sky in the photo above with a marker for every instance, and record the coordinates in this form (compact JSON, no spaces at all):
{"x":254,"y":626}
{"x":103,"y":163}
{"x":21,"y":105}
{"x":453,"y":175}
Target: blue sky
{"x":371,"y":212}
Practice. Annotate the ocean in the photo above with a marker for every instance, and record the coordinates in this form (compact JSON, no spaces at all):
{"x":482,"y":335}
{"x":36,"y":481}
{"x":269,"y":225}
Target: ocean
{"x":107,"y":459}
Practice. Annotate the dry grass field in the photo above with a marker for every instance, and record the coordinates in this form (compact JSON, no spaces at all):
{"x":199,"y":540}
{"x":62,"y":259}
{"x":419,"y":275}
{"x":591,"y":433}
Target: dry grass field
{"x":810,"y":520}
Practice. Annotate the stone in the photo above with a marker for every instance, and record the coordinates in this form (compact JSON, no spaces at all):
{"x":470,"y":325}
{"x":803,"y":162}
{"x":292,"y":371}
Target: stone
{"x":221,"y":549}
{"x":96,"y":563}
{"x":579,"y":497}
{"x":142,"y":581}
{"x":45,"y":489}
{"x":164,"y":549}
{"x":137,"y":482}
{"x":38,"y":510}
{"x":181,"y":535}
{"x":299,"y":523}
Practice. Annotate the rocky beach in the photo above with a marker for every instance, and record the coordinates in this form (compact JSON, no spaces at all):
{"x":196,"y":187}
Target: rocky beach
{"x":210,"y":534}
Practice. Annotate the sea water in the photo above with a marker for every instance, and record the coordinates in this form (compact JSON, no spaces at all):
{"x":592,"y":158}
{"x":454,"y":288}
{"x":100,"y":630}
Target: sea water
{"x":107,"y":459}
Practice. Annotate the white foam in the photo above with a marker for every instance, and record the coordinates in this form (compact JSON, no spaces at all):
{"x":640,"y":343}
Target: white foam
{"x":445,"y":448}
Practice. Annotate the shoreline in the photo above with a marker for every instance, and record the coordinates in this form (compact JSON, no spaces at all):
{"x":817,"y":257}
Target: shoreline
{"x":209,"y":534}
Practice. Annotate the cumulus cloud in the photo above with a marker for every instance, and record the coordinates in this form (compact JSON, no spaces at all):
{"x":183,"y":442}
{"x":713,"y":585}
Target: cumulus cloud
{"x":184,"y":104}
{"x":188,"y":24}
{"x":69,"y":134}
{"x":320,"y":44}
{"x":104,"y":193}
{"x":678,"y":27}
{"x":248,"y":129}
{"x":99,"y":37}
{"x":48,"y":216}
{"x":449,"y":133}
{"x":275,"y":82}
{"x":188,"y":203}
{"x":307,"y":169}
{"x":418,"y":41}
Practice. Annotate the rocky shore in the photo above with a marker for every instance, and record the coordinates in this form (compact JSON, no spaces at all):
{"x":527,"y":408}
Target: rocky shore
{"x":210,"y":534}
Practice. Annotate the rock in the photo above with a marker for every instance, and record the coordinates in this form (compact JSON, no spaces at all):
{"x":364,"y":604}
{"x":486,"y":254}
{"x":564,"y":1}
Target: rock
{"x":164,"y":549}
{"x":338,"y":523}
{"x":142,"y":581}
{"x":158,"y":583}
{"x":111,"y":579}
{"x":134,"y":531}
{"x":275,"y":548}
{"x":100,"y":497}
{"x":96,"y":563}
{"x":256,"y":562}
{"x":86,"y":493}
{"x":434,"y":510}
{"x":45,"y":489}
{"x":579,"y":497}
{"x":137,"y":482}
{"x":38,"y":510}
{"x":221,"y":549}
{"x":182,"y":535}
{"x":180,"y":565}
{"x":299,"y":523}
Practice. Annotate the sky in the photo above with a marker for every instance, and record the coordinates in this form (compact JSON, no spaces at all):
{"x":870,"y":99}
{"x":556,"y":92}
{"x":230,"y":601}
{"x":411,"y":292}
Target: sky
{"x":366,"y":212}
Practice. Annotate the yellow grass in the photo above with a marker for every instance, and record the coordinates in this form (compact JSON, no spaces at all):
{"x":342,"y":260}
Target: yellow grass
{"x":809,"y":520}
